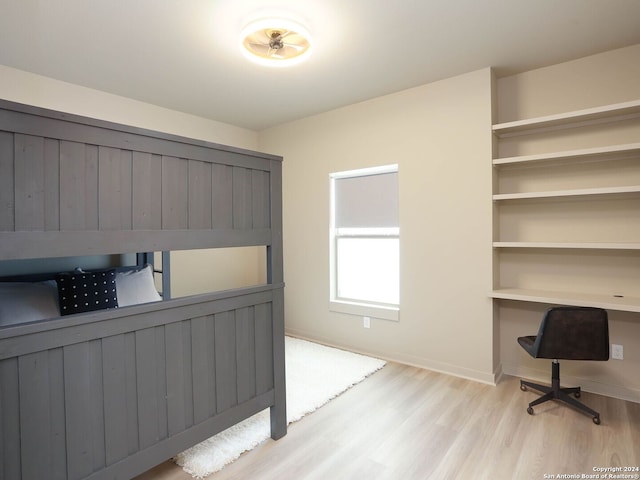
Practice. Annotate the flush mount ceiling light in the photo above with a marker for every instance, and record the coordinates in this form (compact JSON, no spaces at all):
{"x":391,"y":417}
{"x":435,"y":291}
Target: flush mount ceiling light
{"x":276,"y":42}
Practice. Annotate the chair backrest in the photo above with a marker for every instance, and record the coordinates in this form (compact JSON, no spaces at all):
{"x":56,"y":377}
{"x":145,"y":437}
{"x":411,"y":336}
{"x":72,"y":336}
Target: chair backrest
{"x":573,"y":333}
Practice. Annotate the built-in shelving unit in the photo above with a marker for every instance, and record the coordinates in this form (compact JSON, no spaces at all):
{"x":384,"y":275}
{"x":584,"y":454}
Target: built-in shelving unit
{"x":531,"y":226}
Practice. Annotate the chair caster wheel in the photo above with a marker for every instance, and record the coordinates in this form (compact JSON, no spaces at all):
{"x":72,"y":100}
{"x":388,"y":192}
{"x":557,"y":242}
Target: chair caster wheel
{"x":596,"y":420}
{"x":530,"y":412}
{"x":577,"y":394}
{"x":523,"y":387}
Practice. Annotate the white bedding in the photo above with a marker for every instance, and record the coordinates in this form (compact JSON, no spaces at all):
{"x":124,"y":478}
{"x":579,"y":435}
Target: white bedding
{"x":22,"y":302}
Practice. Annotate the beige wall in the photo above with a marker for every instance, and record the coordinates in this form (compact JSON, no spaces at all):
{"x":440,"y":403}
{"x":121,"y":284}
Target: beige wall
{"x":611,"y":77}
{"x":439,"y":134}
{"x":223,"y":269}
{"x":23,"y":87}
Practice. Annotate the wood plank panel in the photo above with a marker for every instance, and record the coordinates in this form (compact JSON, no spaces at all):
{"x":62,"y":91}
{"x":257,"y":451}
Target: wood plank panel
{"x":63,"y":126}
{"x":225,"y":345}
{"x":200,"y":348}
{"x":200,"y":195}
{"x":78,"y":186}
{"x":115,"y":399}
{"x":9,"y":420}
{"x":147,"y":197}
{"x":58,"y":470}
{"x":211,"y":365}
{"x":79,"y":421}
{"x":261,"y":206}
{"x":175,"y":193}
{"x":222,"y":197}
{"x":35,"y":415}
{"x":29,"y":182}
{"x":114,"y":189}
{"x":96,"y":405}
{"x":242,"y":200}
{"x":161,"y":381}
{"x":131,"y":392}
{"x":147,"y":388}
{"x":245,"y":353}
{"x":264,"y":348}
{"x":175,"y":378}
{"x":186,"y":372}
{"x":7,"y":197}
{"x":51,"y":184}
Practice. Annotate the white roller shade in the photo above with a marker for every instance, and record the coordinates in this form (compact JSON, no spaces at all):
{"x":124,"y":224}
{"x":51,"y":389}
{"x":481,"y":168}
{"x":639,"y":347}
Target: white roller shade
{"x":369,"y":201}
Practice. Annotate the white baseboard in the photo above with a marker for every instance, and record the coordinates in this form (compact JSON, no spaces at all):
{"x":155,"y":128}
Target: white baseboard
{"x":418,"y":362}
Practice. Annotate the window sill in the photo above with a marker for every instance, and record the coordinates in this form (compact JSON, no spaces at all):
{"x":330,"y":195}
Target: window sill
{"x":365,"y":310}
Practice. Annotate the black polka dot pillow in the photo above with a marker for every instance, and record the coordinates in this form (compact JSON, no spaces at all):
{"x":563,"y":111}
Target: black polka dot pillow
{"x":87,"y":291}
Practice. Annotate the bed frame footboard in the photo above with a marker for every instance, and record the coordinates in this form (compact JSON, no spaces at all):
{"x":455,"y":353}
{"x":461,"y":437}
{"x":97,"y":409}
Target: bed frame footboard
{"x":110,"y":395}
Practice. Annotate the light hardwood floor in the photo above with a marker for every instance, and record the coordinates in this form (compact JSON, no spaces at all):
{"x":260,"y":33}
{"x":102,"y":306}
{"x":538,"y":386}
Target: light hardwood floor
{"x":405,"y":423}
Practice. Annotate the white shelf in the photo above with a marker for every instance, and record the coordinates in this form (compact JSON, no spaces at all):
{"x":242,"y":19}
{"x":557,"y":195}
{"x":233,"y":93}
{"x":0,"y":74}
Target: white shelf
{"x":612,"y":152}
{"x":568,"y":193}
{"x":576,"y":118}
{"x":609,"y":302}
{"x":568,"y":245}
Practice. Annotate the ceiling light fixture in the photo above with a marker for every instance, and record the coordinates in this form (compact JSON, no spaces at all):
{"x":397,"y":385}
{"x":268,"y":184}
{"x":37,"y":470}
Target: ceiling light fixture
{"x":276,"y":42}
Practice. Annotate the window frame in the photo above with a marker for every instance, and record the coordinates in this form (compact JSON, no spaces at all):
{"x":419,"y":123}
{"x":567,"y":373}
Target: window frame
{"x":351,"y":306}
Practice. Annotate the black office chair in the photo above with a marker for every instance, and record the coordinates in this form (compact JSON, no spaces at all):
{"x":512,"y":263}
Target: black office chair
{"x":567,"y":333}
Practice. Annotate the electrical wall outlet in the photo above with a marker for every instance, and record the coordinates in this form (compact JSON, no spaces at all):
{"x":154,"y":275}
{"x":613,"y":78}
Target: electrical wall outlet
{"x":367,"y":322}
{"x":616,"y":352}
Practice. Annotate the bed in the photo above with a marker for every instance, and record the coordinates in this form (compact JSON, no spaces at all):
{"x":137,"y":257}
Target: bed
{"x":112,"y":392}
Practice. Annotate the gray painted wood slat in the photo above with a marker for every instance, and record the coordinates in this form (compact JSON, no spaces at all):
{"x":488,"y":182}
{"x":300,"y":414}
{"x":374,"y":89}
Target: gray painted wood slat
{"x":200,"y":347}
{"x":147,"y":388}
{"x":242,"y":206}
{"x":78,"y":410}
{"x":7,"y":194}
{"x":279,"y":409}
{"x":175,"y":193}
{"x":260,"y":199}
{"x":245,"y":353}
{"x":78,"y":186}
{"x":131,"y":393}
{"x":222,"y":197}
{"x":226,"y":387}
{"x":211,"y":365}
{"x":58,"y":469}
{"x":96,"y":404}
{"x":161,"y":380}
{"x":264,"y":348}
{"x":10,"y":466}
{"x":175,"y":380}
{"x":200,"y":195}
{"x":115,"y":402}
{"x":29,"y":182}
{"x":35,"y":415}
{"x":147,"y":197}
{"x":187,"y":372}
{"x":51,"y":184}
{"x":114,"y":189}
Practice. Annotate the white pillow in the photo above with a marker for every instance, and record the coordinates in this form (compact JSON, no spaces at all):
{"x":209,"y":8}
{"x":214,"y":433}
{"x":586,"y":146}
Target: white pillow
{"x":22,"y":302}
{"x":136,"y":287}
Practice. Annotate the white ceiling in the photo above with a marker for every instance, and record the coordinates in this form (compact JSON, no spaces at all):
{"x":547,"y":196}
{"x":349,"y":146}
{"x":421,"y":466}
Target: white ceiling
{"x":184,"y":54}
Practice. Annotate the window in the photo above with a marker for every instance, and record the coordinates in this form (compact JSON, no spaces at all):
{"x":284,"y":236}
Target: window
{"x":365,"y":242}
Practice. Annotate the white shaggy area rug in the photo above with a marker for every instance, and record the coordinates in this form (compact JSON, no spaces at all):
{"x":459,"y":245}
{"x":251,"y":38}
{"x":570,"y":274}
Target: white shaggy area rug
{"x":315,"y":374}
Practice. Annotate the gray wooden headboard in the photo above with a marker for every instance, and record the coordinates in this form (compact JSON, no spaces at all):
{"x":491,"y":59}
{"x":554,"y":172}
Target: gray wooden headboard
{"x":71,"y":185}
